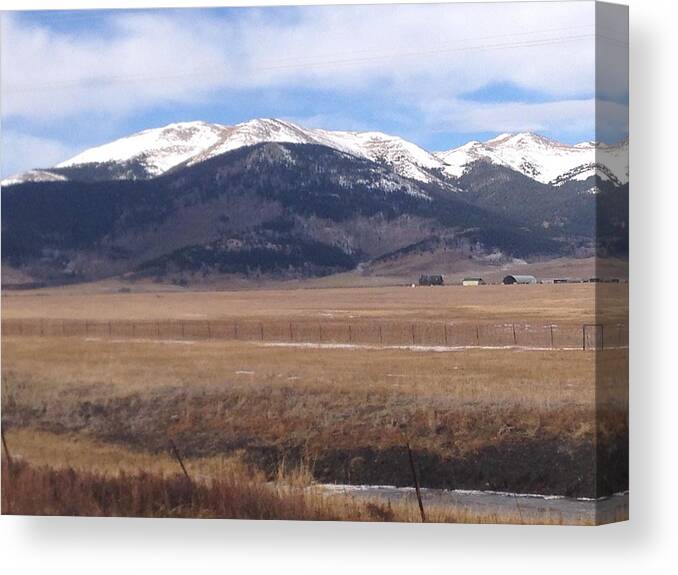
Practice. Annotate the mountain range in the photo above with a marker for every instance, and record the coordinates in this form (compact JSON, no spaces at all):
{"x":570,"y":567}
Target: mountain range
{"x":270,"y":198}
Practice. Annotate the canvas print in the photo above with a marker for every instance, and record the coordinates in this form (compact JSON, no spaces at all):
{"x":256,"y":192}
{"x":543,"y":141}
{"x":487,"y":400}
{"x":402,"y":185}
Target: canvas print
{"x":356,"y":263}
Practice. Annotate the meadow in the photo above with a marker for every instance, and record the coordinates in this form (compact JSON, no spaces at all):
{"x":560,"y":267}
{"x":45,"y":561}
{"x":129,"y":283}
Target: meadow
{"x":519,"y":420}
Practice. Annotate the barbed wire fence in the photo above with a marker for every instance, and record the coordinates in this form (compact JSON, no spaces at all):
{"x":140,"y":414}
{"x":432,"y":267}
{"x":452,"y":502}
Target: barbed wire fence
{"x":387,"y":333}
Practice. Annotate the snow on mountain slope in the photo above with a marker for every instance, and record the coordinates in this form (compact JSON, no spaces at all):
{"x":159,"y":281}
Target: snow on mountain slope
{"x":543,"y":159}
{"x":406,"y":158}
{"x":158,"y":149}
{"x":34,"y":176}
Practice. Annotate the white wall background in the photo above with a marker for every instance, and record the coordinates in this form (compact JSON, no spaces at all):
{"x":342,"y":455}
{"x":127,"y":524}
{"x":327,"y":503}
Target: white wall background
{"x":648,"y":543}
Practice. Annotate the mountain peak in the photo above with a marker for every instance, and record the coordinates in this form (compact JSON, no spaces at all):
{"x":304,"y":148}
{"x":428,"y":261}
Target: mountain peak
{"x":157,"y":149}
{"x":499,"y":138}
{"x":538,"y":157}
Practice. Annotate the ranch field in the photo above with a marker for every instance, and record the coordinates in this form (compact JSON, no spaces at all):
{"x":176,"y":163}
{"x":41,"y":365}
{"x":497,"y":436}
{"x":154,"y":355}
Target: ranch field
{"x":92,"y":419}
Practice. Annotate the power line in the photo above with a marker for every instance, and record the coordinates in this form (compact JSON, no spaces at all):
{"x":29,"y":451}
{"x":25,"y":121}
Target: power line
{"x":298,"y":64}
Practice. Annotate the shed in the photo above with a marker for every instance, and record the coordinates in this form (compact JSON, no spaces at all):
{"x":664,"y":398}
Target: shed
{"x":520,"y":279}
{"x":431,"y":280}
{"x":473,"y":282}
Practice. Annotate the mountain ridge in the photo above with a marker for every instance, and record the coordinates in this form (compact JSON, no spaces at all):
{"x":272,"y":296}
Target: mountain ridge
{"x":153,"y":152}
{"x":280,"y":209}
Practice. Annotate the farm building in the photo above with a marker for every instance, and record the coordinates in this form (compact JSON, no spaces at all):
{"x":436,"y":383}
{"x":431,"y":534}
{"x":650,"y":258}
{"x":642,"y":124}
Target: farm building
{"x":473,"y":282}
{"x":519,"y":279}
{"x":431,"y":280}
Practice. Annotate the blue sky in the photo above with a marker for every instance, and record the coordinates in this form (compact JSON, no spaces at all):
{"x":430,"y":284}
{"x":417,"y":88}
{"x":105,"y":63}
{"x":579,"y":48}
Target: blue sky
{"x":439,"y":75}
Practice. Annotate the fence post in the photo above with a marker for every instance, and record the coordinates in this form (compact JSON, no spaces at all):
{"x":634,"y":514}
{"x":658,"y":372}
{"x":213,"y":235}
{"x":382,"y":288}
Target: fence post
{"x":350,"y":334}
{"x":42,"y":327}
{"x":583,"y":337}
{"x":477,"y":336}
{"x":515,"y":337}
{"x":134,"y":329}
{"x":445,"y":333}
{"x":381,"y":335}
{"x":291,"y":333}
{"x":175,"y":453}
{"x":602,"y":337}
{"x":261,"y":330}
{"x":236,"y":330}
{"x":551,"y":327}
{"x":412,"y":327}
{"x":7,"y":453}
{"x":416,"y":483}
{"x":320,"y":332}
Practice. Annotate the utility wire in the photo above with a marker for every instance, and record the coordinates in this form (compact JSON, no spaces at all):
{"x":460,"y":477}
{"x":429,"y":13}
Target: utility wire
{"x":278,"y":66}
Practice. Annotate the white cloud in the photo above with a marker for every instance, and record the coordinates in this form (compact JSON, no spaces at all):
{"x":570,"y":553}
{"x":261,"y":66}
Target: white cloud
{"x":418,"y":51}
{"x":575,"y":118}
{"x":571,"y":116}
{"x":19,"y":151}
{"x":143,"y":61}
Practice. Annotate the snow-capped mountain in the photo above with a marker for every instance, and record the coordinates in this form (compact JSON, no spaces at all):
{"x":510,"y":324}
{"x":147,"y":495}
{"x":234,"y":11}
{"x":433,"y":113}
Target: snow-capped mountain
{"x":153,"y":152}
{"x":543,"y":159}
{"x":250,"y":200}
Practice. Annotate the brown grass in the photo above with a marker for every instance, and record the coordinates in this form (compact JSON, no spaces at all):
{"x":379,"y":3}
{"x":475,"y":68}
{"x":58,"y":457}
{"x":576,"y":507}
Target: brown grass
{"x":543,"y":303}
{"x":452,"y":402}
{"x":75,"y":476}
{"x":324,"y":405}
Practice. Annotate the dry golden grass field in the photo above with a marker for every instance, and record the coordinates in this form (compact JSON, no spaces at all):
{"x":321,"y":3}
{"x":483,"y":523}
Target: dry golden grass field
{"x":556,"y":303}
{"x":265,"y":422}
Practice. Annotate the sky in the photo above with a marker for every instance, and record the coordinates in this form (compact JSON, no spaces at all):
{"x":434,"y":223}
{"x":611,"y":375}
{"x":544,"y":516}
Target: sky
{"x":438,"y":75}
